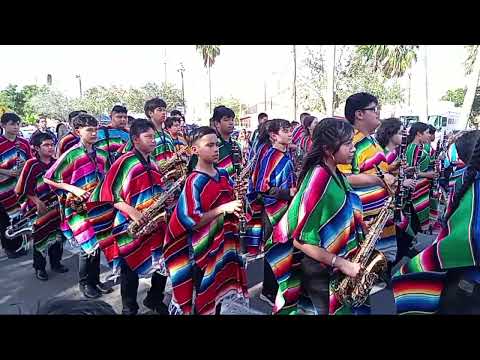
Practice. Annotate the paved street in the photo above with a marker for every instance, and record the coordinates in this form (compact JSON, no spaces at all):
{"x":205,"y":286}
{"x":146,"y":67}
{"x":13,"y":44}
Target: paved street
{"x":20,"y":291}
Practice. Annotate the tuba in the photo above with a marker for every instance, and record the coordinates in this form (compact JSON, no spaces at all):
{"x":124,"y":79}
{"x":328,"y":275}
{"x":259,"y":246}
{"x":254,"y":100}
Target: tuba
{"x":155,"y":213}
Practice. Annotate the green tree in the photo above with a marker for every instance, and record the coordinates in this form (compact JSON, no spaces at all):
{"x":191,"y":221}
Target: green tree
{"x":51,"y":103}
{"x":456,"y":96}
{"x":232,"y":103}
{"x":209,"y":54}
{"x":392,"y":60}
{"x":17,"y":99}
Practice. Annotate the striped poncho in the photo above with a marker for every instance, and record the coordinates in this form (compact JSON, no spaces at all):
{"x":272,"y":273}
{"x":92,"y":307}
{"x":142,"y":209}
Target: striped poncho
{"x":306,"y":143}
{"x":136,"y":182}
{"x":11,"y":154}
{"x":273,"y":169}
{"x":325,"y":212}
{"x":420,"y":158}
{"x":77,"y":168}
{"x":208,"y":256}
{"x":418,"y":285}
{"x":46,"y":227}
{"x":225,"y":156}
{"x":66,"y":143}
{"x":113,"y":142}
{"x":369,"y":153}
{"x":164,"y":148}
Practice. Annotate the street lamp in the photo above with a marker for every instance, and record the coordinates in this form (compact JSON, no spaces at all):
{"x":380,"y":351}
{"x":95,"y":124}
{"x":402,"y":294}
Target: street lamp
{"x":181,"y":70}
{"x":79,"y":83}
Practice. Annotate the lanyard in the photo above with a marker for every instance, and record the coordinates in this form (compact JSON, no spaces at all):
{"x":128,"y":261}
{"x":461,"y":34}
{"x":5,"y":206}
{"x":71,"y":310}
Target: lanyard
{"x":147,"y":167}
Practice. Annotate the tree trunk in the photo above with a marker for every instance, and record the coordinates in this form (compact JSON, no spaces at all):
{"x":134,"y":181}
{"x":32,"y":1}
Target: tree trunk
{"x":424,"y":118}
{"x":330,"y":70}
{"x":470,"y":95}
{"x":294,"y":83}
{"x":210,"y":89}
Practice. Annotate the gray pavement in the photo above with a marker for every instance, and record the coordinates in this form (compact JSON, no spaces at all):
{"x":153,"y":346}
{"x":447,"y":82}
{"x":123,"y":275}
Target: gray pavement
{"x":21,"y":292}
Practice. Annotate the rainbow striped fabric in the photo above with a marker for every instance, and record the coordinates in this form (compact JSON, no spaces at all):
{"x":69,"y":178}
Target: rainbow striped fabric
{"x":205,"y":258}
{"x":75,"y":167}
{"x":306,"y":143}
{"x":136,"y":184}
{"x":421,"y":194}
{"x":369,"y":153}
{"x":418,"y":285}
{"x":116,"y":139}
{"x":30,"y":182}
{"x":11,"y":152}
{"x":326,"y":213}
{"x":225,"y":159}
{"x":297,"y":134}
{"x":273,"y":169}
{"x":164,"y":149}
{"x":66,"y":143}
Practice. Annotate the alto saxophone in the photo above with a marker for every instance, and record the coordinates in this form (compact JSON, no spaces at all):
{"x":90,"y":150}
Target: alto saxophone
{"x":354,"y":291}
{"x":155,"y":213}
{"x":176,"y":166}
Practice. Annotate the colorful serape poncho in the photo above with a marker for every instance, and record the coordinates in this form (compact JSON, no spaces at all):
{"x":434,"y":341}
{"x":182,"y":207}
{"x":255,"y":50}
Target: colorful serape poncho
{"x":273,"y":169}
{"x":421,"y":194}
{"x":164,"y":149}
{"x":306,"y":143}
{"x":225,"y":157}
{"x":213,"y":249}
{"x":325,"y":212}
{"x":136,"y":182}
{"x":418,"y":285}
{"x":113,"y":143}
{"x":85,"y":171}
{"x":66,"y":143}
{"x":46,"y":229}
{"x":369,"y":153}
{"x":11,"y":153}
{"x":297,"y":134}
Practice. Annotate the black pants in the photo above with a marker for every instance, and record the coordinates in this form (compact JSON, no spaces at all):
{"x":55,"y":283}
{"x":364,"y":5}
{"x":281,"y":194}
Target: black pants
{"x":316,"y":283}
{"x":270,"y":285}
{"x":129,"y":289}
{"x":404,"y":243}
{"x":11,"y":245}
{"x":458,"y":298}
{"x":55,"y":252}
{"x":89,"y":268}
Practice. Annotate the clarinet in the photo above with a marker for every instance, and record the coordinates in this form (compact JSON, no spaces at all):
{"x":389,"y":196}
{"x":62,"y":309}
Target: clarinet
{"x":237,"y":161}
{"x":416,"y":160}
{"x":401,"y":192}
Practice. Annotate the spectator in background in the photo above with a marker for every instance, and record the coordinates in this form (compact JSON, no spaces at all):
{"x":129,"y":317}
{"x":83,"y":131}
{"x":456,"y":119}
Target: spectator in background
{"x":42,"y":128}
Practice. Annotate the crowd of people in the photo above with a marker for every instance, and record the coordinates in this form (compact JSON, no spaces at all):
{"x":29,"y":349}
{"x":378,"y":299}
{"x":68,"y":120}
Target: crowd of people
{"x":305,"y":197}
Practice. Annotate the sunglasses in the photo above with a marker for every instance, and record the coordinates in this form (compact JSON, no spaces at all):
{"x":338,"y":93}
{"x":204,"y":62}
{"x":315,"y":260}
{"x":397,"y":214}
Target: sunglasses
{"x":375,"y":109}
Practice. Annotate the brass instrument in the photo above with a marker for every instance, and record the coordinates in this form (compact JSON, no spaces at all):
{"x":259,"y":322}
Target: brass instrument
{"x":402,"y":190}
{"x":176,"y":166}
{"x":78,"y":204}
{"x":155,"y":213}
{"x":354,"y":291}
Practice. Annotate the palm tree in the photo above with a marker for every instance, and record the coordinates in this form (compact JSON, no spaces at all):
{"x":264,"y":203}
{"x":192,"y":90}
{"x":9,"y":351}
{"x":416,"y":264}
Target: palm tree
{"x":209,"y":54}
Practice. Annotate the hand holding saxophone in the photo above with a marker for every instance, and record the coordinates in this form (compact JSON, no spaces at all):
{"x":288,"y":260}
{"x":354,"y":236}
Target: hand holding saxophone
{"x":347,"y":267}
{"x":232,"y":207}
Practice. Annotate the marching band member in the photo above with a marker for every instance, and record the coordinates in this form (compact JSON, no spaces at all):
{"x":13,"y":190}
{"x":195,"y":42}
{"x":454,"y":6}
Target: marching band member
{"x":73,"y":176}
{"x":419,"y":158}
{"x":222,"y":121}
{"x":305,"y":143}
{"x":363,"y":112}
{"x":202,"y":248}
{"x":111,"y":138}
{"x":71,"y":139}
{"x":131,"y":185}
{"x":262,"y":117}
{"x":321,"y":228}
{"x":172,"y":126}
{"x":444,"y":277}
{"x":35,"y":194}
{"x":14,"y":151}
{"x":270,"y":189}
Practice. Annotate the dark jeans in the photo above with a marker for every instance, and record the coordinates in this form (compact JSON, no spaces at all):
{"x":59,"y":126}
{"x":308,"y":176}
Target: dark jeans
{"x":270,"y":285}
{"x":315,"y":283}
{"x":11,"y":245}
{"x":404,"y":243}
{"x":55,"y":252}
{"x":89,"y":268}
{"x":129,"y":289}
{"x":456,"y":298}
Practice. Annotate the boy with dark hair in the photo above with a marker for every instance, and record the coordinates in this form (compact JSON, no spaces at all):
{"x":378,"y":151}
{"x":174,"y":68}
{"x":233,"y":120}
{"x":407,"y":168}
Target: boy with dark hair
{"x":71,"y":138}
{"x":172,"y":126}
{"x":262,"y":117}
{"x":35,"y":194}
{"x":363,"y":112}
{"x":202,"y":249}
{"x":73,"y":177}
{"x":230,"y":155}
{"x":42,"y":128}
{"x":131,"y":186}
{"x":112,"y":137}
{"x":14,"y":151}
{"x":156,"y":112}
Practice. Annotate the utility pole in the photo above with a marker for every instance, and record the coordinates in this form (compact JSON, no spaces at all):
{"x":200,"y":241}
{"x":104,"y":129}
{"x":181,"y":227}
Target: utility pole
{"x":426,"y":84}
{"x":181,"y":70}
{"x":265,"y":95}
{"x":165,"y":66}
{"x":79,"y":84}
{"x":294,"y":82}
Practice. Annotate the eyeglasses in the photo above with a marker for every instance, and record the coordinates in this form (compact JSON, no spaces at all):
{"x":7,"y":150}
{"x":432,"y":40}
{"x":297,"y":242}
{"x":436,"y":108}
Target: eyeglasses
{"x":375,"y":109}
